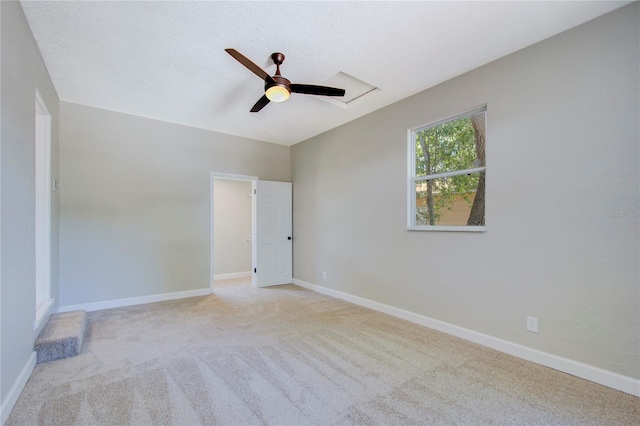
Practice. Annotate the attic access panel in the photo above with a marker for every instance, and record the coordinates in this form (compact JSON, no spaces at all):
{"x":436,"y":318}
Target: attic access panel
{"x":355,"y":90}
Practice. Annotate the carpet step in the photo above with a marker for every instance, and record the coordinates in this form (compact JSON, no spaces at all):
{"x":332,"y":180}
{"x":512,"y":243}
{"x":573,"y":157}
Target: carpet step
{"x":61,"y":337}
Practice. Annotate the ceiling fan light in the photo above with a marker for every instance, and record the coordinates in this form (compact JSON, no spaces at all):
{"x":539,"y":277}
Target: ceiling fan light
{"x":277,"y":93}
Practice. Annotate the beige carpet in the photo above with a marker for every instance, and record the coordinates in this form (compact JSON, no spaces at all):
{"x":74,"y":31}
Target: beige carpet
{"x":285,"y":355}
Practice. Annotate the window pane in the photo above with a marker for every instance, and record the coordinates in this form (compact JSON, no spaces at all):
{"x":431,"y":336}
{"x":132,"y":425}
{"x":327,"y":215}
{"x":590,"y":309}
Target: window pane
{"x":455,"y":145}
{"x":451,"y":201}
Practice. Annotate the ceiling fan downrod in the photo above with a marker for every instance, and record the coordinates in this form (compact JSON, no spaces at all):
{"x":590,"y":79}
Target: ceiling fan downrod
{"x":279,"y":89}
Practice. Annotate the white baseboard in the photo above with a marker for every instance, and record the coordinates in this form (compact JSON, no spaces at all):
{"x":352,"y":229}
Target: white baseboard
{"x":232,"y":275}
{"x":575,"y":368}
{"x":12,"y":397}
{"x":42,"y":316}
{"x":118,"y":303}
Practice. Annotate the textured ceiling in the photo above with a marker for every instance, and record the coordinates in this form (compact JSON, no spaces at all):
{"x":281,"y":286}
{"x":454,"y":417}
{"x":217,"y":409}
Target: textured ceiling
{"x":166,"y":60}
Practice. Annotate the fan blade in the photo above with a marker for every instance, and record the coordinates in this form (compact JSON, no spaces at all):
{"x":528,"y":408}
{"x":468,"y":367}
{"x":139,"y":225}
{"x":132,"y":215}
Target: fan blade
{"x":262,"y":102}
{"x":250,"y":65}
{"x":310,"y":89}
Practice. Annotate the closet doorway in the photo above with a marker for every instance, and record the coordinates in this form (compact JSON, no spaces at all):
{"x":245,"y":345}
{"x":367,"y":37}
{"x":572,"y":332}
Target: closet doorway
{"x":232,"y":226}
{"x":270,"y":239}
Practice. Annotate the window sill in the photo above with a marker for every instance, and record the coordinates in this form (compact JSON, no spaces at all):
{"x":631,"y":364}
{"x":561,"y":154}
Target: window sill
{"x":447,"y":228}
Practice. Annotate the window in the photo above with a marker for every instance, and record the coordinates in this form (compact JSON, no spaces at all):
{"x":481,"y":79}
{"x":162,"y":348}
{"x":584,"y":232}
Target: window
{"x":447,"y":166}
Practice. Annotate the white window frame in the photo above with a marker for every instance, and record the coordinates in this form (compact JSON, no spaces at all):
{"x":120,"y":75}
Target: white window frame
{"x":412,"y":179}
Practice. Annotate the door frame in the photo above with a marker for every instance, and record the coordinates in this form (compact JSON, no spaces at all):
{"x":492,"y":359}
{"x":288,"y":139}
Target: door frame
{"x":232,"y":176}
{"x":42,"y":147}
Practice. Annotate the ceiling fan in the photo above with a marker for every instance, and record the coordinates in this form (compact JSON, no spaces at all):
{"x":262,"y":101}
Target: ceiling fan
{"x":278,"y":88}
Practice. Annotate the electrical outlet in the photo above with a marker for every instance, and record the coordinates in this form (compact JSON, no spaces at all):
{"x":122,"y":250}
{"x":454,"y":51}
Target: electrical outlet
{"x":324,"y":275}
{"x":532,"y":324}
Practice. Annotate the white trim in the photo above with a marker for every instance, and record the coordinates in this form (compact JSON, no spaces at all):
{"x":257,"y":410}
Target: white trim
{"x":1,"y":402}
{"x":467,"y":113}
{"x":446,"y":228}
{"x":411,"y":171}
{"x":254,"y":233}
{"x":595,"y":374}
{"x":12,"y":397}
{"x":118,"y":303}
{"x":232,"y":275}
{"x":416,"y":179}
{"x":42,"y":316}
{"x":42,"y":152}
{"x":217,"y":175}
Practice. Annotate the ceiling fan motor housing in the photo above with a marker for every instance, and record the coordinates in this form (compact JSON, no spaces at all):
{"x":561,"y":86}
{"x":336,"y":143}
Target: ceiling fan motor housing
{"x":279,"y":90}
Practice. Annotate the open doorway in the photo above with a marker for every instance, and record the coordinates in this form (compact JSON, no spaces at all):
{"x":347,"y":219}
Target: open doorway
{"x":271,"y":230}
{"x":232,"y":227}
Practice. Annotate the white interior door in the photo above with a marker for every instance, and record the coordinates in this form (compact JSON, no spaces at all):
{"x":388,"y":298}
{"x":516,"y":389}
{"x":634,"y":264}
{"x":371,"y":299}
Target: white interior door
{"x":274,"y":256}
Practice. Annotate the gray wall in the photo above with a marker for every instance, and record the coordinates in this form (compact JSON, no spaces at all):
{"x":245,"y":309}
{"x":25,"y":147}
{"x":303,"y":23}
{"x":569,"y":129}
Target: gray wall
{"x":232,"y":226}
{"x":134,"y":196}
{"x":22,"y":71}
{"x":562,"y":152}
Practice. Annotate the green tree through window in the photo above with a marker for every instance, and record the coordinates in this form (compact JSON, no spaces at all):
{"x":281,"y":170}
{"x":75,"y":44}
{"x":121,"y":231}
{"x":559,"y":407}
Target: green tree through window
{"x":450,"y":171}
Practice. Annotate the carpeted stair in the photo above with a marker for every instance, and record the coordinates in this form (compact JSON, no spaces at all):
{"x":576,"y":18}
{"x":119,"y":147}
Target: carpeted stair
{"x":61,"y":337}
